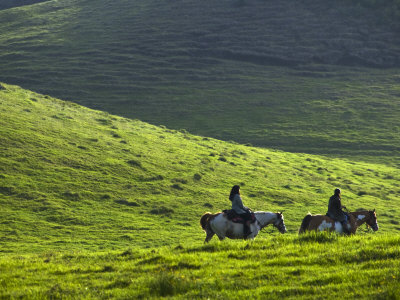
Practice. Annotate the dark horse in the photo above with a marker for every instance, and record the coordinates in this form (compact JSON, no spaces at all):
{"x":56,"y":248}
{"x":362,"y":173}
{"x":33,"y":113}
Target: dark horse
{"x":322,"y":222}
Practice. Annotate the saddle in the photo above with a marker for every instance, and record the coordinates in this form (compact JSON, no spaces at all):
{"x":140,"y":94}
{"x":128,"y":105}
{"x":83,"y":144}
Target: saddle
{"x":347,"y":215}
{"x":235,"y":218}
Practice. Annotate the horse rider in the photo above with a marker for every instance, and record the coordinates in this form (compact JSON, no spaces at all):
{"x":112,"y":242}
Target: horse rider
{"x":335,"y":210}
{"x":240,"y":209}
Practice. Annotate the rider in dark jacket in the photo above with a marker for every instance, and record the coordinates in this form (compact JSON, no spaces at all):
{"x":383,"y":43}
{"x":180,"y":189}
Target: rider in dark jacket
{"x":240,"y":209}
{"x":335,"y":210}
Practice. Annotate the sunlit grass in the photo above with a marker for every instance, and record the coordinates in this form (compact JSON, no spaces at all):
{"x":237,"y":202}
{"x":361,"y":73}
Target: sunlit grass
{"x":282,"y":266}
{"x":88,"y":180}
{"x":98,"y":206}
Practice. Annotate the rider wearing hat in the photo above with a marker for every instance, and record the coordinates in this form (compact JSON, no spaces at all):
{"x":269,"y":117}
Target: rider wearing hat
{"x":335,"y":210}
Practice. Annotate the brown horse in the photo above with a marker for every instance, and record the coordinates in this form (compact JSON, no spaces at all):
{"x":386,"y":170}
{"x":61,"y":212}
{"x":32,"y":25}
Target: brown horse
{"x":322,"y":222}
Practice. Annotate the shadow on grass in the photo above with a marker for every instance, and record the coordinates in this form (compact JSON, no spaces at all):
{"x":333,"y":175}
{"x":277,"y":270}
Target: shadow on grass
{"x":167,"y":284}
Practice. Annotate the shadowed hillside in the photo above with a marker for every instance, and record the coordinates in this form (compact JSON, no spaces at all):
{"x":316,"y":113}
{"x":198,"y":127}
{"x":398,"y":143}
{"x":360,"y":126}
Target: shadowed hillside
{"x":6,"y":4}
{"x":303,"y":76}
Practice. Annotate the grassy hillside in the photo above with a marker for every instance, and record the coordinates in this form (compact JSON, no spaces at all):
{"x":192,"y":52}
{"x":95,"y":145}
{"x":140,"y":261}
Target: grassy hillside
{"x":73,"y":178}
{"x":308,"y":267}
{"x":304,"y":76}
{"x":388,"y":9}
{"x":6,"y":4}
{"x":83,"y":194}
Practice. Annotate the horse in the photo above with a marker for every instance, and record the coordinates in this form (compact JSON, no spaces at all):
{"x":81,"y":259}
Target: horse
{"x":220,"y":225}
{"x":356,"y":219}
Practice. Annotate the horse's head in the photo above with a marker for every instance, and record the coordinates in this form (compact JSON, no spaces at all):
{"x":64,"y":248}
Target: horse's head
{"x":279,"y":224}
{"x":372,"y":220}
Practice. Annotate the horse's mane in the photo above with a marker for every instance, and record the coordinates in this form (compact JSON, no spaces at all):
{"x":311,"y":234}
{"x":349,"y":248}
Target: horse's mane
{"x":363,"y":211}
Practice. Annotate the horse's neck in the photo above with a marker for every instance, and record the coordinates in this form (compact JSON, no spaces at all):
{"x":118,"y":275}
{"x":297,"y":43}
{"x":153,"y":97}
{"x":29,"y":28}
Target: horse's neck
{"x":361,"y":217}
{"x":265,"y":218}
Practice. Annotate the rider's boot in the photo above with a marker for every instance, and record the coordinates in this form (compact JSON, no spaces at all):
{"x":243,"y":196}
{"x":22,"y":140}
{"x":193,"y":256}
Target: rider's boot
{"x":345,"y":229}
{"x":246,"y":229}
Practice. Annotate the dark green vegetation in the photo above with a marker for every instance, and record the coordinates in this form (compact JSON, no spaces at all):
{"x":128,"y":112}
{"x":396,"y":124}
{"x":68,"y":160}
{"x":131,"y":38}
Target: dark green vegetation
{"x":388,"y":10}
{"x":6,"y":4}
{"x":78,"y":184}
{"x":299,"y":75}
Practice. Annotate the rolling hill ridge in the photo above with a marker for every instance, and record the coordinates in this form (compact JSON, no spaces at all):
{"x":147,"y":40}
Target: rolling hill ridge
{"x":294,"y":75}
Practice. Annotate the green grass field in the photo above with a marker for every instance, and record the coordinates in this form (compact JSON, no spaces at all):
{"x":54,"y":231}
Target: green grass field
{"x":307,"y":267}
{"x":98,"y":206}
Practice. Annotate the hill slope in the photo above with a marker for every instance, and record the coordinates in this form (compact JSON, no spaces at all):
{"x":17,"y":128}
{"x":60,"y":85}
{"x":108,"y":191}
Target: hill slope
{"x":6,"y":4}
{"x":287,"y":74}
{"x":73,"y":178}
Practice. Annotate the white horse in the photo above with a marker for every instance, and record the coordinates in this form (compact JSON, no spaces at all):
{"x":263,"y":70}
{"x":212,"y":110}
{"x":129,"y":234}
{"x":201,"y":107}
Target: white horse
{"x":220,"y":225}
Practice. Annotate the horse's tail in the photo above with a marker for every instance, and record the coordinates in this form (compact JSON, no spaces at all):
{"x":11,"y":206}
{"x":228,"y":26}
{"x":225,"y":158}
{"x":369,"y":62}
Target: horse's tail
{"x":304,"y":224}
{"x":204,"y":220}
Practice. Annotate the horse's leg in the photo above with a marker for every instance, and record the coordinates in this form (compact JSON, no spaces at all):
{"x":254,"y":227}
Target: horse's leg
{"x":254,"y":231}
{"x":314,"y":225}
{"x":338,"y":227}
{"x":221,"y":235}
{"x":353,"y":224}
{"x":209,"y":236}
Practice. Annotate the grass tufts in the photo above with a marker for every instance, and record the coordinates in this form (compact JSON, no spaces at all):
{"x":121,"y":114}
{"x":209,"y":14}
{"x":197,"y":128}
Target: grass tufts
{"x":135,"y":163}
{"x":71,"y":195}
{"x":177,"y":186}
{"x":7,"y":190}
{"x":318,"y":237}
{"x":162,"y":210}
{"x":166,"y":284}
{"x":197,"y":177}
{"x":126,"y":202}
